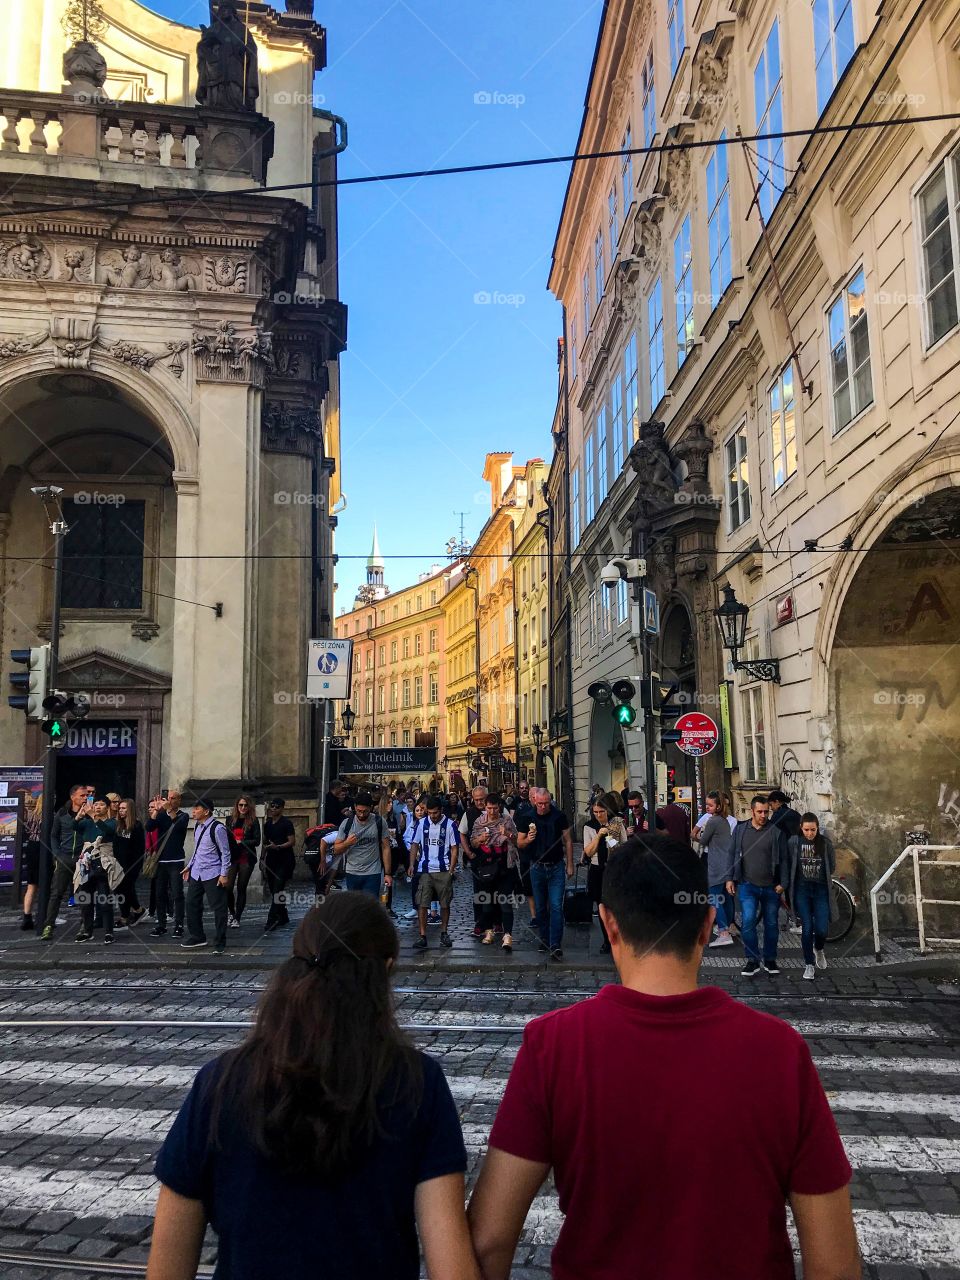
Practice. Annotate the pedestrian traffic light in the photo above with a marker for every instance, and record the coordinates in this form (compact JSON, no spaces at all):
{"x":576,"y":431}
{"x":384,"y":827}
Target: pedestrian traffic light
{"x":32,"y":683}
{"x":624,"y":712}
{"x":600,"y":692}
{"x":57,"y":706}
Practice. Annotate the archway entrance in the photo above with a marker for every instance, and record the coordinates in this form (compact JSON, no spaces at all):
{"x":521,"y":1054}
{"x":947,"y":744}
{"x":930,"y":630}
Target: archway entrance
{"x":608,"y":759}
{"x":894,"y":683}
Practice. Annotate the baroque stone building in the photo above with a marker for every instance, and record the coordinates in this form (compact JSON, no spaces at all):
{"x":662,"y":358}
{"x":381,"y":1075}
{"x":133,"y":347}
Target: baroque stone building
{"x":168,"y":355}
{"x":775,"y":417}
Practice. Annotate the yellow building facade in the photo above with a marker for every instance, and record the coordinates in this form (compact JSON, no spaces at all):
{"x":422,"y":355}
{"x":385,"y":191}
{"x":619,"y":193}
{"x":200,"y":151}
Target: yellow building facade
{"x":531,"y":591}
{"x":459,"y":607}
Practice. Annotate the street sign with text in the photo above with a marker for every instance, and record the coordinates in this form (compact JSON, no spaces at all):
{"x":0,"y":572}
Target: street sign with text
{"x":329,"y":663}
{"x":698,"y":734}
{"x":387,"y":760}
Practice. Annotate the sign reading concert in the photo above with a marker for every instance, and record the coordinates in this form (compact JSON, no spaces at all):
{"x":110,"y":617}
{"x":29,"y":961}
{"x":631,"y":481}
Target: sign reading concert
{"x":698,"y":734}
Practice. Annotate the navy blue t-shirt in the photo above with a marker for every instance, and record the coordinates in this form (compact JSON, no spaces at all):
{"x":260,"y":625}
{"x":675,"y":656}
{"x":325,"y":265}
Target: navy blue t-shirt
{"x":270,"y":1223}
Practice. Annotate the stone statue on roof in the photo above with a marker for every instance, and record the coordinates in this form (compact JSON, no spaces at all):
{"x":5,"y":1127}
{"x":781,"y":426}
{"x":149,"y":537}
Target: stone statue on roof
{"x":227,"y":78}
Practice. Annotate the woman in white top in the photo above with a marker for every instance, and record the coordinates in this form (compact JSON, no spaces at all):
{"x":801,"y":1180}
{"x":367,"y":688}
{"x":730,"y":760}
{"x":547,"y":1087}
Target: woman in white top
{"x":601,"y":837}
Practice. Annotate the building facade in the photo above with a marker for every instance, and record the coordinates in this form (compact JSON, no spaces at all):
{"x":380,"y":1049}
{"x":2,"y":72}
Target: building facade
{"x":531,"y":592}
{"x":775,"y":416}
{"x":398,"y":688}
{"x":172,"y":365}
{"x":490,"y":573}
{"x":460,"y":653}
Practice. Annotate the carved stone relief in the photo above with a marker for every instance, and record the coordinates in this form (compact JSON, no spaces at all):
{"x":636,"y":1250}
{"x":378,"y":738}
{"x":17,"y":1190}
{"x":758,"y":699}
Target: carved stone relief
{"x":24,"y":258}
{"x":223,"y":355}
{"x":225,"y":274}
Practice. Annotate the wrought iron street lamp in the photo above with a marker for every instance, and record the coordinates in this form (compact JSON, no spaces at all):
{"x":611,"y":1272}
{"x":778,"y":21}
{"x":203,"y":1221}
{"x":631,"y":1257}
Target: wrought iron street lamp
{"x":347,"y":717}
{"x":731,"y":618}
{"x":537,"y":732}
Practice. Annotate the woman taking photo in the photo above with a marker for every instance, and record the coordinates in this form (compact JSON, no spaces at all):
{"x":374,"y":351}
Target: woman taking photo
{"x":809,"y":887}
{"x":129,"y":849}
{"x":601,"y":837}
{"x":323,"y":1143}
{"x":245,"y":826}
{"x":493,"y":839}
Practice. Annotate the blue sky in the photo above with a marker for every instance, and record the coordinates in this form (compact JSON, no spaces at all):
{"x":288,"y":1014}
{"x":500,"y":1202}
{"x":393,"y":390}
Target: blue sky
{"x":433,"y":378}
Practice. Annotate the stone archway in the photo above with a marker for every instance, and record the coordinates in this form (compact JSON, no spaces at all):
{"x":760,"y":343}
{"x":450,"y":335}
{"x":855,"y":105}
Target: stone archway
{"x":894,"y":687}
{"x":608,"y":759}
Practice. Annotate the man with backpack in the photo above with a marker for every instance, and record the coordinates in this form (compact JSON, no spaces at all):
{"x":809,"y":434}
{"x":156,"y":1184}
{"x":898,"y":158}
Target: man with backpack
{"x":364,"y":843}
{"x":433,"y":853}
{"x":207,"y":875}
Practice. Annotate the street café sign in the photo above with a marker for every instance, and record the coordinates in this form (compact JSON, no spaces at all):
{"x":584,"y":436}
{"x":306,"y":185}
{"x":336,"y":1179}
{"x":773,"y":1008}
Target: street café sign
{"x":387,"y":760}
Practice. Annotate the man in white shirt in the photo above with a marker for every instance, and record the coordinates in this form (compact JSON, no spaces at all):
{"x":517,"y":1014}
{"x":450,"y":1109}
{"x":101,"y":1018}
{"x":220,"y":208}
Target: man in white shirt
{"x":433,"y":854}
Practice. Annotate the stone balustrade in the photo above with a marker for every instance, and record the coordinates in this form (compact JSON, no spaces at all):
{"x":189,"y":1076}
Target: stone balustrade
{"x":119,"y":141}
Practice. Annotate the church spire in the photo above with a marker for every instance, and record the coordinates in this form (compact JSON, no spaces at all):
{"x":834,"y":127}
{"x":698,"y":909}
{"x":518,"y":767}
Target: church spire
{"x":374,"y":587}
{"x":375,"y":559}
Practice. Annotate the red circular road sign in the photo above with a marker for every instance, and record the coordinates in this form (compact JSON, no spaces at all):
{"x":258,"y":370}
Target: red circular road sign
{"x":698,"y":734}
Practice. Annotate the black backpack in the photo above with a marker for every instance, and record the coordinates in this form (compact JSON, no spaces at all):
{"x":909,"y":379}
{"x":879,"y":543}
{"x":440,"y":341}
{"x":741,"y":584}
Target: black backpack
{"x":236,"y":848}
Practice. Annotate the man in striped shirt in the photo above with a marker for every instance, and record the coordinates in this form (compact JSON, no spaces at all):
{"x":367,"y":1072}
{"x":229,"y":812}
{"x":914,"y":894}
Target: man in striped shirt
{"x":433,"y":854}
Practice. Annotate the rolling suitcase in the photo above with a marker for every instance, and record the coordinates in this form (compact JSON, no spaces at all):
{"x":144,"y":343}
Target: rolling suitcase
{"x":577,"y":907}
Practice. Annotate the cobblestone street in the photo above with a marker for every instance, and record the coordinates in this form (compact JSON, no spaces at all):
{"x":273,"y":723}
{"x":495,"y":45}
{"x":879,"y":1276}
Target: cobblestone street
{"x":97,"y":1062}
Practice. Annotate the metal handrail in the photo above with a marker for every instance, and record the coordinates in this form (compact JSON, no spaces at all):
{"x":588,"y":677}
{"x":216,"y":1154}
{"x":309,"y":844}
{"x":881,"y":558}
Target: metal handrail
{"x":913,"y":851}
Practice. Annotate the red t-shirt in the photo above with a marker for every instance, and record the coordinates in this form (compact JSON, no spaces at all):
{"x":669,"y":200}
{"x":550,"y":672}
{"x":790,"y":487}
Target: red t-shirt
{"x":676,"y":1126}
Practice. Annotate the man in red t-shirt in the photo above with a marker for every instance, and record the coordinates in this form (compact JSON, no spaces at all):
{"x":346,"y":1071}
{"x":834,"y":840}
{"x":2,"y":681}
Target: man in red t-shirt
{"x":622,"y":1095}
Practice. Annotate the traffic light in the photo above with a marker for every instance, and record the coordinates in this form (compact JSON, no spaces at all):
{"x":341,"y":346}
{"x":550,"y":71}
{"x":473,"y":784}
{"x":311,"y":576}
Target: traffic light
{"x":600,"y":692}
{"x":32,"y":683}
{"x":624,"y":712}
{"x":57,"y":707}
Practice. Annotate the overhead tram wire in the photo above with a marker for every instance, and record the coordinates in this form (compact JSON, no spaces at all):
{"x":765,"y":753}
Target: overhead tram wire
{"x":660,"y":148}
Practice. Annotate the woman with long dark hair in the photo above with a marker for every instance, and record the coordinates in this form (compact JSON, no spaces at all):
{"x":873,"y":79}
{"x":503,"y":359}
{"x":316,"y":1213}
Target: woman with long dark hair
{"x":809,"y":887}
{"x":130,"y":849}
{"x":493,"y":838}
{"x":601,"y":836}
{"x":322,"y":1144}
{"x":245,"y":826}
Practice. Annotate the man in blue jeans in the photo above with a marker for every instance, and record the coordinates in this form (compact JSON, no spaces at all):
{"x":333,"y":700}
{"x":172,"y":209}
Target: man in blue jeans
{"x":364,"y":842}
{"x":759,"y":870}
{"x":548,"y":844}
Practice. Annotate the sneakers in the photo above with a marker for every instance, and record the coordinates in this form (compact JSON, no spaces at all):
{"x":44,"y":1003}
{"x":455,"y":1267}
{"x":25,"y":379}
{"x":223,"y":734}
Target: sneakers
{"x":750,"y":969}
{"x":176,"y":931}
{"x":488,"y":937}
{"x":83,"y":936}
{"x":26,"y":924}
{"x":477,"y":932}
{"x":190,"y":944}
{"x":433,"y":917}
{"x":556,"y":953}
{"x":411,"y":914}
{"x":121,"y":924}
{"x":420,"y":944}
{"x":722,"y":939}
{"x":809,"y":972}
{"x":771,"y":966}
{"x":820,"y":958}
{"x":542,"y":946}
{"x":507,"y":942}
{"x":158,"y":931}
{"x":218,"y":951}
{"x":136,"y":916}
{"x":233,"y":922}
{"x":47,"y":933}
{"x":445,"y":940}
{"x":107,"y":938}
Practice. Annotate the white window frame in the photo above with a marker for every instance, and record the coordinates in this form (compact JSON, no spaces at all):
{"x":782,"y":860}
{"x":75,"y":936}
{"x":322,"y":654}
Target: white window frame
{"x":718,"y":221}
{"x":737,"y":491}
{"x":592,"y":619}
{"x":599,"y":275}
{"x":623,"y":602}
{"x":589,"y":479}
{"x":626,"y":173}
{"x":575,"y":516}
{"x":616,"y":421}
{"x":631,"y":390}
{"x":655,"y":343}
{"x":613,"y":221}
{"x":843,"y":302}
{"x":830,"y":49}
{"x":676,"y":34}
{"x":771,"y":172}
{"x":948,"y":170}
{"x":573,"y":349}
{"x":587,"y":301}
{"x":683,"y":276}
{"x":648,"y":99}
{"x":602,"y":435}
{"x":752,"y":708}
{"x":782,"y":449}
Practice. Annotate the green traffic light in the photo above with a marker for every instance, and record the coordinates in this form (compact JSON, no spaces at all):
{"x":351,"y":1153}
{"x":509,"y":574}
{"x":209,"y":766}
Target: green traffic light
{"x":56,"y":729}
{"x":625,"y":714}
